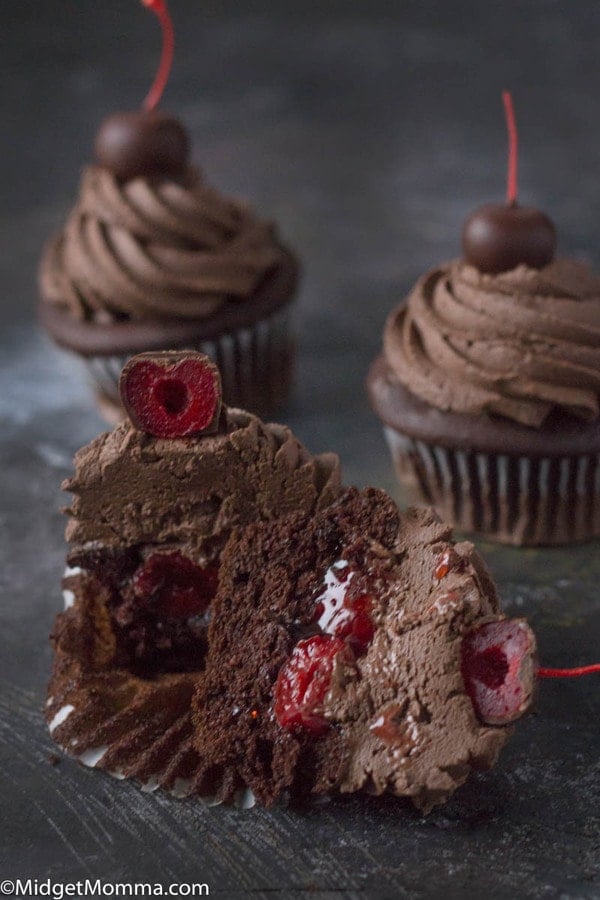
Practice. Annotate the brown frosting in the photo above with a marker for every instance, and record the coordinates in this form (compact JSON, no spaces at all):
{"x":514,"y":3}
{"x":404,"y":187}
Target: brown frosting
{"x":148,"y":249}
{"x":520,"y":344}
{"x":407,"y":720}
{"x":132,"y":489}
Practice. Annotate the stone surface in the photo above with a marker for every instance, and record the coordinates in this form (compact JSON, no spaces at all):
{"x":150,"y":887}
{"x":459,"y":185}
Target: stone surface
{"x":369,"y":130}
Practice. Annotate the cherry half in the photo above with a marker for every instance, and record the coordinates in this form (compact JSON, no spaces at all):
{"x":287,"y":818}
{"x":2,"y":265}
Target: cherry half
{"x":171,"y":394}
{"x":304,"y":681}
{"x":498,"y":666}
{"x":174,"y":586}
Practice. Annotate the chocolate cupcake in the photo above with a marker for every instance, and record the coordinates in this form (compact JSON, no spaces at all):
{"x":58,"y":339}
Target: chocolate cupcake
{"x":153,"y":258}
{"x":153,"y":505}
{"x":357,"y":649}
{"x":488,"y":385}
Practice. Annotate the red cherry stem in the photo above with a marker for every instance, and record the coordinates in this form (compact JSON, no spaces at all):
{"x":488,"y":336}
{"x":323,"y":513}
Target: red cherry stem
{"x":166,"y":58}
{"x":513,"y":143}
{"x":568,"y":673}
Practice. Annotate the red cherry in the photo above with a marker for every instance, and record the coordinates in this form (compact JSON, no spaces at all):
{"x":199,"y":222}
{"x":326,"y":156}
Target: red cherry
{"x":304,"y":681}
{"x":175,"y":586}
{"x":171,"y":394}
{"x":498,"y":667}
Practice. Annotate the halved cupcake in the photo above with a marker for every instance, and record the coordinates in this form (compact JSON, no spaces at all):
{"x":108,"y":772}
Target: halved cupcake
{"x":153,"y":505}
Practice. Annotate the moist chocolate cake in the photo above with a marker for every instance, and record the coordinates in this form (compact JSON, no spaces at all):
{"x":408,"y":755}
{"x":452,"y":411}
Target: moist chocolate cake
{"x":148,"y":522}
{"x":357,"y":649}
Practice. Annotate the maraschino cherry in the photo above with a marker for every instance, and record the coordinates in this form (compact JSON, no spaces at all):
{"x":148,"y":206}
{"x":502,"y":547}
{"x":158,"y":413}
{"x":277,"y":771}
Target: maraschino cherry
{"x":147,"y":142}
{"x":499,"y":669}
{"x":171,"y":393}
{"x":499,"y":237}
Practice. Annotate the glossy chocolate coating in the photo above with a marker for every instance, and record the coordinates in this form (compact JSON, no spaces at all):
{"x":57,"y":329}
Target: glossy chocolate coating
{"x":499,"y":237}
{"x":142,"y":143}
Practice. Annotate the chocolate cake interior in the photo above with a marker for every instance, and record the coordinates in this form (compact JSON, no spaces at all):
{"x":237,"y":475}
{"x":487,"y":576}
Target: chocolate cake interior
{"x":281,"y":605}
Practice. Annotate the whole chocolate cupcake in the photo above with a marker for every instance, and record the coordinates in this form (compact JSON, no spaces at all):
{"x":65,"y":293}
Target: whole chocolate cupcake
{"x":151,"y":257}
{"x":488,"y":385}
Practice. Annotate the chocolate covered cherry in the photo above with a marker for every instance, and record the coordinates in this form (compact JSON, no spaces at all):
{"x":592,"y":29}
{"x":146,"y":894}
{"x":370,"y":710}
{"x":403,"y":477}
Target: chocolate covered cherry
{"x":499,"y":237}
{"x":171,"y":394}
{"x":142,"y":144}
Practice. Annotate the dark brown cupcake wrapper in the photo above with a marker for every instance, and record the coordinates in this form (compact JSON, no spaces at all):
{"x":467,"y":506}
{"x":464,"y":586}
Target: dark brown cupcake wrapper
{"x":100,"y":756}
{"x":111,"y":720}
{"x":508,"y":498}
{"x":256,"y":365}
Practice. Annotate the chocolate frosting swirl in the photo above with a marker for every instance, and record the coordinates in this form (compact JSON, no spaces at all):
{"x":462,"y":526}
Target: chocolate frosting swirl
{"x":155,"y":249}
{"x":519,"y":344}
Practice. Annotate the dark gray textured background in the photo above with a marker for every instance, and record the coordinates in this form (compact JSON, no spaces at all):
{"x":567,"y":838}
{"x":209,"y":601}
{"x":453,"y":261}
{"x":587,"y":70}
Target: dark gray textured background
{"x":368,"y":130}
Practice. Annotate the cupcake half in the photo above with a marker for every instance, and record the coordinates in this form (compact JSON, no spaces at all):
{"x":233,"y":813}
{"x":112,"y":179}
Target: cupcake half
{"x":357,"y":649}
{"x":153,"y":506}
{"x":153,"y":258}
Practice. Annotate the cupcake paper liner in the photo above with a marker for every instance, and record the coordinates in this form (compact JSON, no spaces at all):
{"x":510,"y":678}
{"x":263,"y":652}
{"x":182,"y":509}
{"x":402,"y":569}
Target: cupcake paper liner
{"x":513,"y":499}
{"x":255,"y":364}
{"x":112,"y":720}
{"x":96,"y":721}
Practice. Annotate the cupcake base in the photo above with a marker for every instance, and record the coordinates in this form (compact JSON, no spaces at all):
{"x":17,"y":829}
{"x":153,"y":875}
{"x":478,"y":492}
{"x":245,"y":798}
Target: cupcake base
{"x":108,"y":718}
{"x":510,"y":483}
{"x":249,"y":340}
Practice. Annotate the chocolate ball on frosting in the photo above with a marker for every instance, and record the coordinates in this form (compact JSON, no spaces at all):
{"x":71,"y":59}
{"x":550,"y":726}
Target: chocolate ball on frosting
{"x":499,"y":237}
{"x":142,"y":143}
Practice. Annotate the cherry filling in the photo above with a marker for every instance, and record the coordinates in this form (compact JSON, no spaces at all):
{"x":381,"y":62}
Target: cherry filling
{"x":343,"y":613}
{"x":156,"y":608}
{"x":172,"y":394}
{"x":303,"y":682}
{"x":448,"y":561}
{"x":174,"y":587}
{"x":498,"y":669}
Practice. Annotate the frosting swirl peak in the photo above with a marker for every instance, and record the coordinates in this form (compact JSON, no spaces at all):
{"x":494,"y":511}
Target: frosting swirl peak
{"x":151,"y":248}
{"x":519,"y":344}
